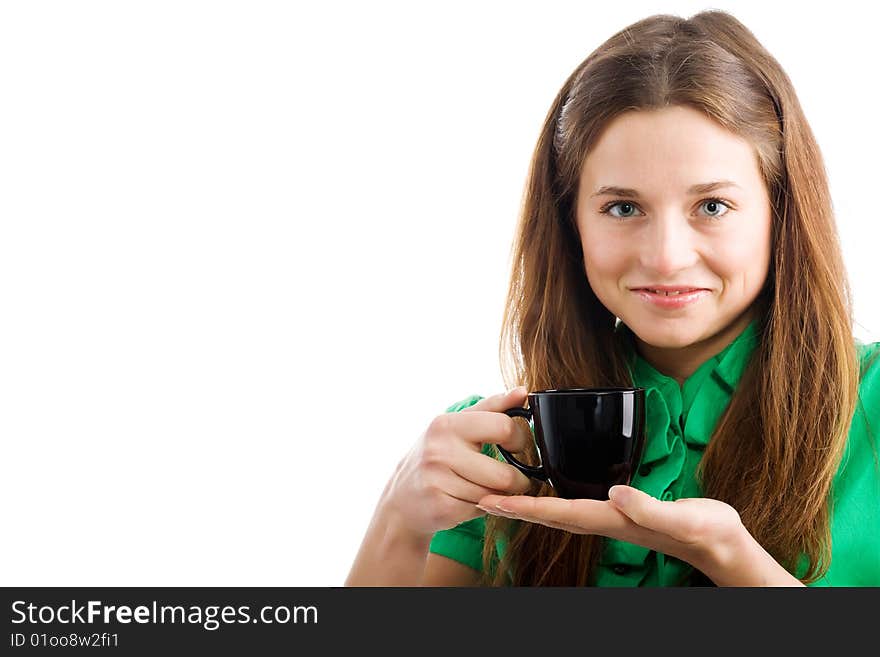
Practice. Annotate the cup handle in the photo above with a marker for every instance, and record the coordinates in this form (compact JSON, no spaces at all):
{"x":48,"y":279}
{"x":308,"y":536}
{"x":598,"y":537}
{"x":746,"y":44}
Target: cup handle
{"x":528,"y":470}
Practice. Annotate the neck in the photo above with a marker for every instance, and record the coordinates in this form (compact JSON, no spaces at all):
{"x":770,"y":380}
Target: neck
{"x":681,"y":363}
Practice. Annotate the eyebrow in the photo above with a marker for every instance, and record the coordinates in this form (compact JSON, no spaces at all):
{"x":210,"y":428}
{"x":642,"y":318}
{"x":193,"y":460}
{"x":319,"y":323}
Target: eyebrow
{"x":701,"y":188}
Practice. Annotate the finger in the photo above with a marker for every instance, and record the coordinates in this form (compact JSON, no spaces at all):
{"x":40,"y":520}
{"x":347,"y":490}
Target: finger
{"x":591,"y":516}
{"x":462,"y":508}
{"x":489,"y":472}
{"x":547,"y":523}
{"x":488,"y":427}
{"x":500,"y":402}
{"x":477,"y":426}
{"x":464,"y":490}
{"x":480,"y":427}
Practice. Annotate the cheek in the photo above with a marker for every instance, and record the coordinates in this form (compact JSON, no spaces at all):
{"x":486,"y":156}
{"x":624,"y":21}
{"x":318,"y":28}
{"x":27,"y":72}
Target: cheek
{"x":604,"y":258}
{"x":745,"y":261}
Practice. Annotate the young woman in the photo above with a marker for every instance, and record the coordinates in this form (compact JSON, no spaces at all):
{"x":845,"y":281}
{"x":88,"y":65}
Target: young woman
{"x":677,"y":235}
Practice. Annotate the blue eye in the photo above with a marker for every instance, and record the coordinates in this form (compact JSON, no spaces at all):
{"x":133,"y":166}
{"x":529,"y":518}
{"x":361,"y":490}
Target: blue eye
{"x":622,"y":204}
{"x":715,"y":204}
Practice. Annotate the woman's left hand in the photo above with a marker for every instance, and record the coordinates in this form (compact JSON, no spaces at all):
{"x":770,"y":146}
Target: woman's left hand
{"x":706,"y":533}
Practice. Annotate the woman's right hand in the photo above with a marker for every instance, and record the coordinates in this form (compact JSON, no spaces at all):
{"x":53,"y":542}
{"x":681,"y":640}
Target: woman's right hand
{"x":438,"y":483}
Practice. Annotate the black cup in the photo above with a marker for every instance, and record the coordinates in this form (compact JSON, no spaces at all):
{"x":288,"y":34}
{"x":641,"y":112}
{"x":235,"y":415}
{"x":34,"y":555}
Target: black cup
{"x":588,"y":439}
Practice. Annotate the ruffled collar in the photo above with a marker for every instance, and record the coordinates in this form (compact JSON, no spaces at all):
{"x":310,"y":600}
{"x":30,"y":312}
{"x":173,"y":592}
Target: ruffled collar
{"x":679,"y":423}
{"x":728,"y":364}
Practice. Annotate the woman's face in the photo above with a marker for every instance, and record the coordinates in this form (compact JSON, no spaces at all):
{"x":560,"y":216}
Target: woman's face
{"x":665,"y":231}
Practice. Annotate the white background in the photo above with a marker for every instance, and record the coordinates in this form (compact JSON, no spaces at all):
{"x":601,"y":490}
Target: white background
{"x":248,"y":250}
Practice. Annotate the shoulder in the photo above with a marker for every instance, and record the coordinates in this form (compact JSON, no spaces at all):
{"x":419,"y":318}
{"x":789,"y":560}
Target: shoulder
{"x":867,"y":411}
{"x":869,"y":374}
{"x":869,"y":360}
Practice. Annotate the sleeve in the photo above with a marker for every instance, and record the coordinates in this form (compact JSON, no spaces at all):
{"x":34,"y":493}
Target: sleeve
{"x":464,"y":542}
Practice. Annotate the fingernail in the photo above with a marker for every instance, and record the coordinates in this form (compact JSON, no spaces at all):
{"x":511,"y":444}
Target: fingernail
{"x":482,"y":508}
{"x":504,"y":509}
{"x":617,"y":494}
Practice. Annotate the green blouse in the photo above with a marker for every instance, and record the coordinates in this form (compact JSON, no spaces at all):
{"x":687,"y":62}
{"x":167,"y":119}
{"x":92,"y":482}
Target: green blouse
{"x":679,"y":423}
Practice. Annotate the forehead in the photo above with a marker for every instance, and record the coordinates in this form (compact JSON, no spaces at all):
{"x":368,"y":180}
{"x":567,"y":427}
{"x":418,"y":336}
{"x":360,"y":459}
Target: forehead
{"x":668,"y":149}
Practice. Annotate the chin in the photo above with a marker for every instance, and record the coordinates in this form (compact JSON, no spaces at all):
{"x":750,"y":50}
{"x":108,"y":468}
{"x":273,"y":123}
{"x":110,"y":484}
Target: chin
{"x":670,"y":337}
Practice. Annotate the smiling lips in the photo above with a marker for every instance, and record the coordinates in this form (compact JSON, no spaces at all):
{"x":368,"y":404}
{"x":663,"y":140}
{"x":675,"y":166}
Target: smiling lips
{"x":668,"y":290}
{"x":669,"y":296}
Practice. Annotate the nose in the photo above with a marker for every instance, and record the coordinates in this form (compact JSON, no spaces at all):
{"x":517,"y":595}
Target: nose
{"x":669,"y":245}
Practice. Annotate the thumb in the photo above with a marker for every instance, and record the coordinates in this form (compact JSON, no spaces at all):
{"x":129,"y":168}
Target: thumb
{"x":646,"y":510}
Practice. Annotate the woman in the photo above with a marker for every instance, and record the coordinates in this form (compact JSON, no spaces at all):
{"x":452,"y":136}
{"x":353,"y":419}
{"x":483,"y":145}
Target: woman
{"x":677,"y":234}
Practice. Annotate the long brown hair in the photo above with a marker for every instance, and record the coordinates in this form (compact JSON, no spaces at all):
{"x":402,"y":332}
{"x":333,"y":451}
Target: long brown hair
{"x":784,"y":430}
